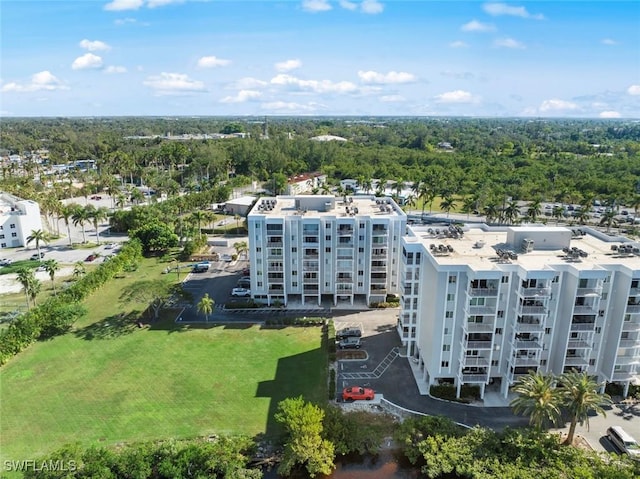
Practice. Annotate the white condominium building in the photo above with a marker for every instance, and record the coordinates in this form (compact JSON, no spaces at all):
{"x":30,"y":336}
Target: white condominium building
{"x":18,"y":218}
{"x":484,"y":305}
{"x":307,"y":249}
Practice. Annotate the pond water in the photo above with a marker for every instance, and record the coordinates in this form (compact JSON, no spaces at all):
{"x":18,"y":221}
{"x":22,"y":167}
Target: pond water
{"x":385,"y":465}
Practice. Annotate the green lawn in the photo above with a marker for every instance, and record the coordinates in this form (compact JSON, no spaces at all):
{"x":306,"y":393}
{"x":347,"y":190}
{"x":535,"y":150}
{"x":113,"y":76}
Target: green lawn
{"x":135,"y":384}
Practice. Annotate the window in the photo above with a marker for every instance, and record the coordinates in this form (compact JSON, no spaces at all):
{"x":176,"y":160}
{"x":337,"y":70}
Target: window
{"x":327,"y":237}
{"x":452,"y":279}
{"x":446,"y":347}
{"x":444,"y":364}
{"x":327,"y":250}
{"x":448,"y":314}
{"x":501,"y":314}
{"x":446,"y":330}
{"x":294,"y":273}
{"x":4,"y":245}
{"x":498,"y":330}
{"x":494,"y":362}
{"x":361,"y":237}
{"x":505,"y":279}
{"x":258,"y":249}
{"x":12,"y":226}
{"x":361,"y":225}
{"x":604,"y":296}
{"x":294,"y":249}
{"x":294,"y":284}
{"x":360,"y":250}
{"x":259,"y":284}
{"x":360,"y":273}
{"x":592,"y":362}
{"x":360,"y":284}
{"x":13,"y":235}
{"x":1,"y":236}
{"x":598,"y":330}
{"x":543,"y":362}
{"x":326,"y":284}
{"x":547,"y":330}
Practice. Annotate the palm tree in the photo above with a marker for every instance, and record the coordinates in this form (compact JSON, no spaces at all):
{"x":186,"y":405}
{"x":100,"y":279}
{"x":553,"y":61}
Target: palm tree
{"x":237,"y":217}
{"x":80,"y":216}
{"x":66,"y":212}
{"x":557,"y":212}
{"x":97,"y":215}
{"x":608,"y":219}
{"x":241,"y":247}
{"x":491,"y":211}
{"x":447,"y":204}
{"x":583,"y":216}
{"x":534,"y":210}
{"x":78,"y":269}
{"x":468,"y":205}
{"x":538,"y":398}
{"x":26,"y":278}
{"x":51,"y":266}
{"x":205,"y":306}
{"x":580,"y":396}
{"x":37,"y":236}
{"x":512,"y":212}
{"x":198,"y":216}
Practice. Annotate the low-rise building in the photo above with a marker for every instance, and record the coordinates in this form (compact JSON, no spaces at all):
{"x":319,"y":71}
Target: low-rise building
{"x":18,"y":218}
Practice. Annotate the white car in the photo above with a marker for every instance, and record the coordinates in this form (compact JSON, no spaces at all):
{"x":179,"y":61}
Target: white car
{"x":241,"y":292}
{"x":5,"y":262}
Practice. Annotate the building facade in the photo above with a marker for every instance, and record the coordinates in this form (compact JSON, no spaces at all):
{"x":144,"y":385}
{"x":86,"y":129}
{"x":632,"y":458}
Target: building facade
{"x":484,"y":305}
{"x":18,"y":218}
{"x":310,"y":249}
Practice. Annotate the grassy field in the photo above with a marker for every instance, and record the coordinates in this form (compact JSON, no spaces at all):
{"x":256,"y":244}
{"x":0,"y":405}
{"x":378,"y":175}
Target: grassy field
{"x":110,"y":381}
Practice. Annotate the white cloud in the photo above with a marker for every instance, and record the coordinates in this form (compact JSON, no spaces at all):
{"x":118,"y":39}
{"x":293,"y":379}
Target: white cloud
{"x":317,"y":86}
{"x":94,"y":46}
{"x":392,"y":98}
{"x":125,"y":21}
{"x":87,"y":61}
{"x":458,"y":44}
{"x":288,"y":65}
{"x":348,"y":5}
{"x":608,"y":41}
{"x":458,"y":75}
{"x":162,"y":3}
{"x":634,"y":90}
{"x":557,"y":105}
{"x":386,"y":78}
{"x":371,"y":7}
{"x":248,"y":83}
{"x":43,"y":80}
{"x":498,"y":9}
{"x":115,"y":69}
{"x":288,"y":106}
{"x":173,"y":84}
{"x":609,"y":114}
{"x":212,"y":62}
{"x":242,"y":96}
{"x":476,"y":26}
{"x":315,"y":6}
{"x":508,"y":43}
{"x":119,"y":5}
{"x":456,"y":96}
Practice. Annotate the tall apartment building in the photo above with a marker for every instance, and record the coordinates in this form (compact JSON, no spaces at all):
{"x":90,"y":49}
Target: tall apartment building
{"x":484,"y":305}
{"x":18,"y":218}
{"x":307,"y":249}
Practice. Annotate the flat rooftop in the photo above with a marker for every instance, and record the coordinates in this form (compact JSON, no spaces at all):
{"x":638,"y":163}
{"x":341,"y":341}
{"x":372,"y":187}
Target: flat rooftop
{"x":326,"y":206}
{"x":478,"y":248}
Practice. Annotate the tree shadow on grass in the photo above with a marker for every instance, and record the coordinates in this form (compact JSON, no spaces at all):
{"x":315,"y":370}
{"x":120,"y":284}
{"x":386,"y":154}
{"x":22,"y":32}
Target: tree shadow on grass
{"x":111,"y":327}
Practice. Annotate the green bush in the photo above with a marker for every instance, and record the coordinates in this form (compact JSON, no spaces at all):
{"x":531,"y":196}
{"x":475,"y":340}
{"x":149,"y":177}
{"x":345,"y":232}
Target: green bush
{"x":249,"y":304}
{"x":332,"y":384}
{"x":385,"y":304}
{"x":448,"y":392}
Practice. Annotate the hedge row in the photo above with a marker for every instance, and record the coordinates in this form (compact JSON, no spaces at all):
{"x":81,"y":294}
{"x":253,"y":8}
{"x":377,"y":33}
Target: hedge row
{"x":448,"y":392}
{"x":295,"y":322}
{"x":385,"y":304}
{"x":56,"y":315}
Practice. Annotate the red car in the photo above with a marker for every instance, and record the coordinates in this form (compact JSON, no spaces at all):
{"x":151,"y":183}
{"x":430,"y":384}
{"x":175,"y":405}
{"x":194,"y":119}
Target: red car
{"x":355,"y":393}
{"x":91,"y":257}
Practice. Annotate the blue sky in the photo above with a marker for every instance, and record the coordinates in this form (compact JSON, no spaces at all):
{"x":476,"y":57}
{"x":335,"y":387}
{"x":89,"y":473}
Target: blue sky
{"x":320,"y":57}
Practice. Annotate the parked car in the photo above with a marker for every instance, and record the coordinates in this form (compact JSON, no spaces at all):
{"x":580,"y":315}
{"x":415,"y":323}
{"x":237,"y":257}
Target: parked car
{"x":243,"y":283}
{"x":624,"y":442}
{"x":111,"y":246}
{"x":91,"y":257}
{"x":241,"y":292}
{"x":35,"y":257}
{"x":356,"y":393}
{"x":246,"y":271}
{"x":201,"y":267}
{"x":5,"y":262}
{"x":349,"y":343}
{"x":227,"y":258}
{"x":348,"y":333}
{"x":96,"y":197}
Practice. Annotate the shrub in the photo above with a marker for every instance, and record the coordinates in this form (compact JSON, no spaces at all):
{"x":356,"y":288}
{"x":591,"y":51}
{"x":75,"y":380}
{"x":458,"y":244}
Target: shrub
{"x":448,"y":392}
{"x":332,"y":384}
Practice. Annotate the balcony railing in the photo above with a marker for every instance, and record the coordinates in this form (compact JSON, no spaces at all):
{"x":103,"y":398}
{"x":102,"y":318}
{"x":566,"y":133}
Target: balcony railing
{"x":535,"y":292}
{"x":634,"y":291}
{"x":478,"y":310}
{"x":522,"y":344}
{"x":633,"y":308}
{"x":276,"y":290}
{"x":275,"y":268}
{"x":274,"y":255}
{"x":576,"y":361}
{"x":630,"y":326}
{"x":345,"y":231}
{"x":627,"y":360}
{"x":537,"y":310}
{"x":583,"y":326}
{"x":525,"y":360}
{"x":629,"y":343}
{"x":578,"y":344}
{"x":475,"y":378}
{"x":595,"y":290}
{"x":529,"y":326}
{"x":475,"y":292}
{"x":310,"y":280}
{"x":478,"y":344}
{"x":274,"y":244}
{"x":378,"y":268}
{"x":378,"y":291}
{"x":469,"y":361}
{"x":473,"y":327}
{"x":585,"y":309}
{"x":623,"y":376}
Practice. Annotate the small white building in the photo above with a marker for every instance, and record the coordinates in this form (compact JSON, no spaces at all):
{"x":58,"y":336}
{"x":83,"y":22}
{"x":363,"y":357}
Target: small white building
{"x":18,"y":218}
{"x":239,"y":206}
{"x":305,"y":183}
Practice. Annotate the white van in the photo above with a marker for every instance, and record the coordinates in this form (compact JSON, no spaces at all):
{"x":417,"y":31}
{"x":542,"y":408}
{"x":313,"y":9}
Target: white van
{"x":623,"y":441}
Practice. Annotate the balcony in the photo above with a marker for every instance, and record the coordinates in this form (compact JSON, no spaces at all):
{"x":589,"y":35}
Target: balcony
{"x":475,"y":378}
{"x":342,"y":231}
{"x":275,"y":290}
{"x":530,"y":310}
{"x":473,"y":327}
{"x":379,"y":268}
{"x":583,"y":326}
{"x":310,"y":288}
{"x":633,"y":308}
{"x":585,"y":309}
{"x":344,"y":289}
{"x":378,"y":291}
{"x":469,"y":361}
{"x":593,"y":291}
{"x":623,"y":376}
{"x":311,"y":256}
{"x":274,"y":244}
{"x":480,"y":310}
{"x":478,"y":344}
{"x":479,"y":292}
{"x":529,"y":325}
{"x":627,"y":360}
{"x":578,"y":344}
{"x":525,"y":360}
{"x":535,"y":292}
{"x":634,"y":291}
{"x":629,"y":343}
{"x":274,"y":255}
{"x":310,"y":280}
{"x":576,"y":361}
{"x":631,"y":326}
{"x":275,"y":269}
{"x":343,"y":255}
{"x":311,"y":267}
{"x":526,"y":344}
